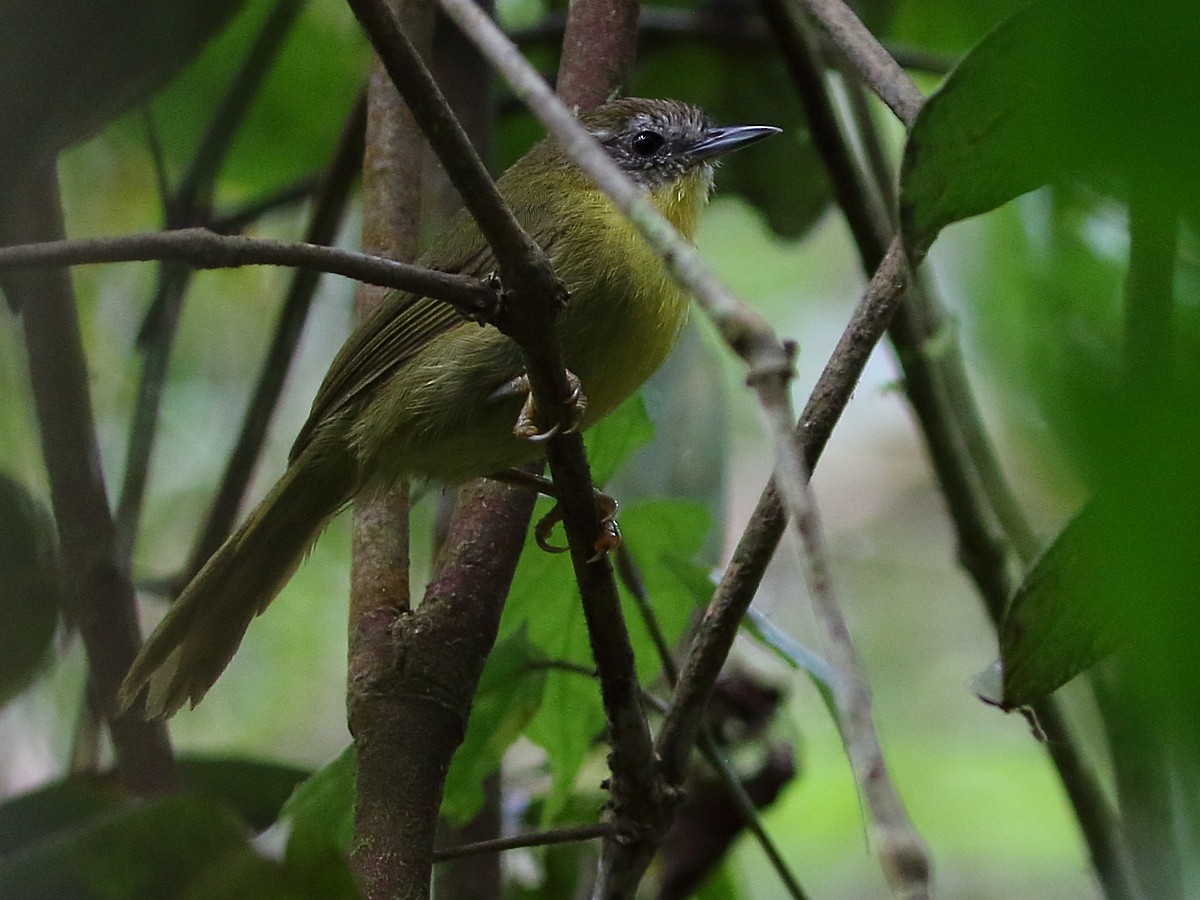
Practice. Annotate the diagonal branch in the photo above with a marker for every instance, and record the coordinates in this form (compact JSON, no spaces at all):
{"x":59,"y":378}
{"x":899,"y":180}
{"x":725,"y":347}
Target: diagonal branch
{"x":875,"y":65}
{"x":326,"y":218}
{"x":190,"y":205}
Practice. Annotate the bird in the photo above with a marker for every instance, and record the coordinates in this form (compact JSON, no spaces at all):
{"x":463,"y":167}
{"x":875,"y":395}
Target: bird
{"x":419,"y":391}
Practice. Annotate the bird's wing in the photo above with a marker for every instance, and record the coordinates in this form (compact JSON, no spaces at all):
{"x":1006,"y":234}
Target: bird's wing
{"x":401,"y":327}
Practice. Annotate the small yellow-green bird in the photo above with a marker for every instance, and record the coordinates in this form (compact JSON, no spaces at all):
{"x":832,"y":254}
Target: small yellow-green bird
{"x":417,"y":390}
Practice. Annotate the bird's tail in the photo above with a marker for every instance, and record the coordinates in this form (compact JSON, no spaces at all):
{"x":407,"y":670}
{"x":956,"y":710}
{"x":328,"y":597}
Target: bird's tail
{"x":199,"y":635}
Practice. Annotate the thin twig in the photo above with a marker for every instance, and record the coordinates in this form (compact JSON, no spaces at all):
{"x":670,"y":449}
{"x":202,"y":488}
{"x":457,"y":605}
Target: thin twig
{"x":753,"y":822}
{"x":631,"y":576}
{"x":745,"y":570}
{"x":962,"y":457}
{"x":240,"y":218}
{"x":202,"y":249}
{"x":861,"y":48}
{"x":565,"y":835}
{"x":326,"y":219}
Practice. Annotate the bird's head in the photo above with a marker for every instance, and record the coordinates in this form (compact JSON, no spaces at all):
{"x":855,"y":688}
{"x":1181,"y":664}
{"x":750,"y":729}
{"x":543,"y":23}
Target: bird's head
{"x":670,"y":148}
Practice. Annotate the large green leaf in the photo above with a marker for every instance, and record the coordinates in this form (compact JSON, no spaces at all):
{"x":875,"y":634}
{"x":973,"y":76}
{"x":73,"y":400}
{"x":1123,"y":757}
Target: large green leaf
{"x":1041,"y":100}
{"x":510,"y":691}
{"x":180,"y":846}
{"x":1062,"y":619}
{"x":320,"y":815}
{"x":67,"y":67}
{"x":31,"y":590}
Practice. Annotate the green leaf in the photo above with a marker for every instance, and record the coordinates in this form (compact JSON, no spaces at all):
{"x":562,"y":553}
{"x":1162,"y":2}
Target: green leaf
{"x":31,"y":590}
{"x":71,"y":66}
{"x":510,"y":691}
{"x":321,"y":815}
{"x":1039,"y":100}
{"x":544,"y":603}
{"x":155,"y":849}
{"x":665,"y":537}
{"x":33,"y":816}
{"x":794,"y":654}
{"x":1062,"y":619}
{"x":255,"y":788}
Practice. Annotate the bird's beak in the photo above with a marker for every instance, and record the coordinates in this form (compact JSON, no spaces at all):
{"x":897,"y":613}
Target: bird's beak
{"x":721,"y":141}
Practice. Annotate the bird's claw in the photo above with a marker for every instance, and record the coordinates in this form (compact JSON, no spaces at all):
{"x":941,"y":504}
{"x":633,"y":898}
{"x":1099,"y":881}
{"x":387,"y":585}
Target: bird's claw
{"x":527,"y":428}
{"x":608,"y":539}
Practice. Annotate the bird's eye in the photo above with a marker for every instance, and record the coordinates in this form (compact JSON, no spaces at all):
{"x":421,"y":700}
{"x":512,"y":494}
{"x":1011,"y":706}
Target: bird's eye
{"x":647,"y":143}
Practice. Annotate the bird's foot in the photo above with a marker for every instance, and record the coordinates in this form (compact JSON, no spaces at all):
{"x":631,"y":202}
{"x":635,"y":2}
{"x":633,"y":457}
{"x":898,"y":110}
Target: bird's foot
{"x":527,"y":427}
{"x":608,"y":540}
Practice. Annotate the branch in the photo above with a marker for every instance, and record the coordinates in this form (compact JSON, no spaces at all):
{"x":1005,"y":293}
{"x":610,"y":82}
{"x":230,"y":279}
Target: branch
{"x":202,"y":249}
{"x":566,"y":835}
{"x":898,"y":845}
{"x":599,"y":40}
{"x":101,"y":595}
{"x":398,"y":786}
{"x":962,"y":457}
{"x":864,"y":52}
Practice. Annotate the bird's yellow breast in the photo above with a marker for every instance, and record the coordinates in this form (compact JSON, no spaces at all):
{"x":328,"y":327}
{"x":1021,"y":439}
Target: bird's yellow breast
{"x":625,"y":311}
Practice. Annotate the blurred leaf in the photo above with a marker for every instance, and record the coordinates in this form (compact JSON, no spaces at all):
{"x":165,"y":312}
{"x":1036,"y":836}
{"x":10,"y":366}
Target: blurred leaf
{"x":324,"y":61}
{"x":31,"y":817}
{"x":31,"y":589}
{"x":1040,"y":100}
{"x":951,"y":26}
{"x":180,"y":846}
{"x":1060,"y":621}
{"x":665,"y":537}
{"x":510,"y":691}
{"x":255,"y":788}
{"x":321,"y":816}
{"x":794,"y":654}
{"x":69,"y":66}
{"x":615,"y":437}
